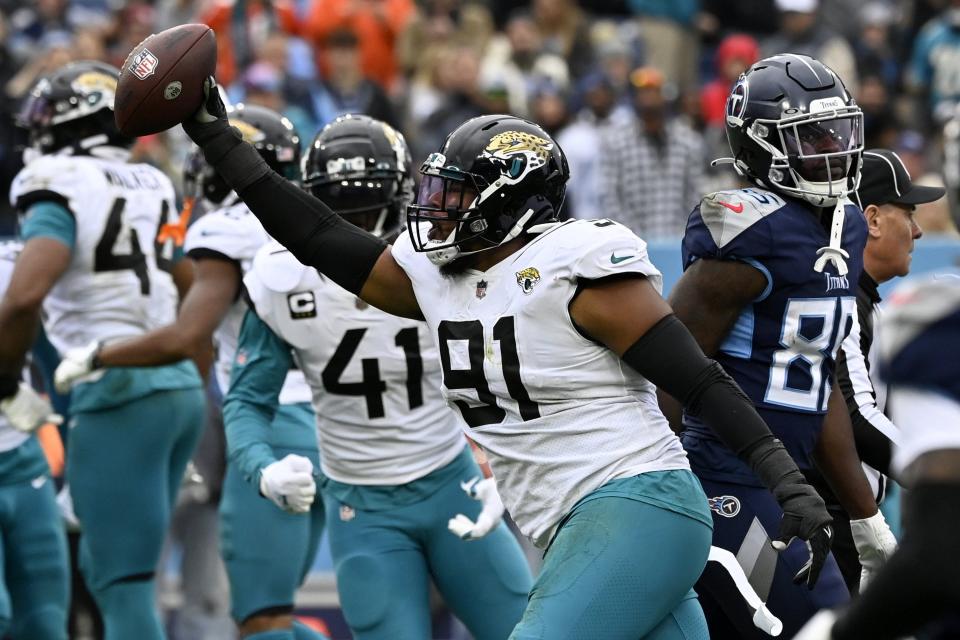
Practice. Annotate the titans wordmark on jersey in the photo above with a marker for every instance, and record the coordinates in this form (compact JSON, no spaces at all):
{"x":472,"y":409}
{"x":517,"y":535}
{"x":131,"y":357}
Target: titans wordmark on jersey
{"x":375,"y":377}
{"x":118,"y":282}
{"x":558,"y":414}
{"x":234,"y":234}
{"x":782,"y":348}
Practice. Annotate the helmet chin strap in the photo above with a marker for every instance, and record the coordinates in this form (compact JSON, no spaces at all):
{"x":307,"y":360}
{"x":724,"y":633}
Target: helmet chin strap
{"x":446,"y":255}
{"x":833,"y":252}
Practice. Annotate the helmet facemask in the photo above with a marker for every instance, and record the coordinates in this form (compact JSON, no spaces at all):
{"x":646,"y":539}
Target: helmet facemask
{"x":458,"y":213}
{"x":372,"y":201}
{"x":816,"y":156}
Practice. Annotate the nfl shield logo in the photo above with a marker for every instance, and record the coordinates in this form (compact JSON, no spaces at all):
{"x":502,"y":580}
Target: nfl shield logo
{"x":144,"y":64}
{"x":481,"y":289}
{"x":347,"y":513}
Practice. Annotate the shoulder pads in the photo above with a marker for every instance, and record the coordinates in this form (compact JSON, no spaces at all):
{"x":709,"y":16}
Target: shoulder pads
{"x":58,"y":177}
{"x":727,"y":214}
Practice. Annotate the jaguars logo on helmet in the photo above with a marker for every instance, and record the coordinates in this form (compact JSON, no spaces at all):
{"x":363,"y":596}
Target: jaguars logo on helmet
{"x":72,"y":110}
{"x":495,"y":177}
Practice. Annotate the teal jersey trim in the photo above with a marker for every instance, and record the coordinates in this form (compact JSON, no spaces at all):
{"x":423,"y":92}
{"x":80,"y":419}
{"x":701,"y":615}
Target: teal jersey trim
{"x":50,"y":220}
{"x":384,"y":497}
{"x":677,"y":490}
{"x":23,"y":464}
{"x":253,"y":401}
{"x":121,"y":385}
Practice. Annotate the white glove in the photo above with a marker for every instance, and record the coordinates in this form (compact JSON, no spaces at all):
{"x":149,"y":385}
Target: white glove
{"x":490,"y":515}
{"x":67,"y":512}
{"x":875,"y":544}
{"x":818,"y":627}
{"x":26,"y":409}
{"x":289,"y":483}
{"x":76,"y":364}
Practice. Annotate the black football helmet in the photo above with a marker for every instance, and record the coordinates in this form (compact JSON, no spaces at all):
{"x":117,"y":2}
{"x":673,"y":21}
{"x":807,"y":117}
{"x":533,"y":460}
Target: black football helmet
{"x":361,"y":168}
{"x":495,"y":178}
{"x":794,"y":128}
{"x":269,"y":132}
{"x":72,"y":109}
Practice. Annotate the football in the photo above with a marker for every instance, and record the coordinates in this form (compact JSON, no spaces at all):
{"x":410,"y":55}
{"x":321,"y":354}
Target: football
{"x":161,"y":81}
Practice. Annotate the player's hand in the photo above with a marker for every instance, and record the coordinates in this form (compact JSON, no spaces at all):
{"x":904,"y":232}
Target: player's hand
{"x":490,"y":515}
{"x":875,"y":544}
{"x":210,"y":118}
{"x":26,"y":409}
{"x":76,"y":364}
{"x":289,"y":483}
{"x":805,"y":516}
{"x":818,"y":627}
{"x":67,"y":512}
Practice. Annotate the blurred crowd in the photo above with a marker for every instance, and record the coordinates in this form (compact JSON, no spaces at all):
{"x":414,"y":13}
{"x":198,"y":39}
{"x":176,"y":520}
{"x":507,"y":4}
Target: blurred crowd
{"x":633,"y":90}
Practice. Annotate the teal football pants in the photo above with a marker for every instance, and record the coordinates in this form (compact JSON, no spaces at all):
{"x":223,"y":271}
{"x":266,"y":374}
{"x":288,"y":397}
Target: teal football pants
{"x":34,"y":593}
{"x":268,"y":551}
{"x":125,"y":465}
{"x":384,"y":561}
{"x":620,"y":569}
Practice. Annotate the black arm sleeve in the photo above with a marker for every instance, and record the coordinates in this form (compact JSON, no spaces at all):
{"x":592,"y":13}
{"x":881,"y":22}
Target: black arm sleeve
{"x":669,"y":357}
{"x":316,"y":235}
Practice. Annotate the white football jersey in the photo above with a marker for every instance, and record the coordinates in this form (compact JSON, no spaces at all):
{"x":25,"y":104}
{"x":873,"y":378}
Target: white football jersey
{"x":10,"y":438}
{"x":118,"y":283}
{"x":558,"y":414}
{"x":375,"y":377}
{"x":234,"y":233}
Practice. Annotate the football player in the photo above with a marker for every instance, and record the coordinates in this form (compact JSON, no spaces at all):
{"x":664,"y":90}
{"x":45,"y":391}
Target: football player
{"x":769,"y":290}
{"x":91,"y":262}
{"x":34,"y":591}
{"x":551,"y":336}
{"x":394,"y":457}
{"x":919,"y":337}
{"x":267,"y":551}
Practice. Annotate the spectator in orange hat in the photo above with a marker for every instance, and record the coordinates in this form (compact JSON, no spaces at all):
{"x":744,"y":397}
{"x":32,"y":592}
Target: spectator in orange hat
{"x":734,"y":56}
{"x":242,"y":26}
{"x":377,"y":24}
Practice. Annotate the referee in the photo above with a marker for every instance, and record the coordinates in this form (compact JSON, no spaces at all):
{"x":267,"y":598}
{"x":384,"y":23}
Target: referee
{"x":888,"y":198}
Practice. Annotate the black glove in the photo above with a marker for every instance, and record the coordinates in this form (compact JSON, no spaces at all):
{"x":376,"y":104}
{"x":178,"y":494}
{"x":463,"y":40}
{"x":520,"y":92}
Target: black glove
{"x":210,"y":119}
{"x":805,"y":515}
{"x":240,"y":165}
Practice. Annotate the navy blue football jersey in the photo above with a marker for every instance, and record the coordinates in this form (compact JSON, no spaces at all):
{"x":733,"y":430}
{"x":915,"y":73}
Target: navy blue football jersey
{"x":921,"y":335}
{"x":781,"y":349}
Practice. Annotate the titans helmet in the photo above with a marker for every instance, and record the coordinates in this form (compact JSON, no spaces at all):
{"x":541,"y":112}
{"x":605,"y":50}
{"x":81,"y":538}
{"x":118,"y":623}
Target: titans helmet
{"x":795,"y":129}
